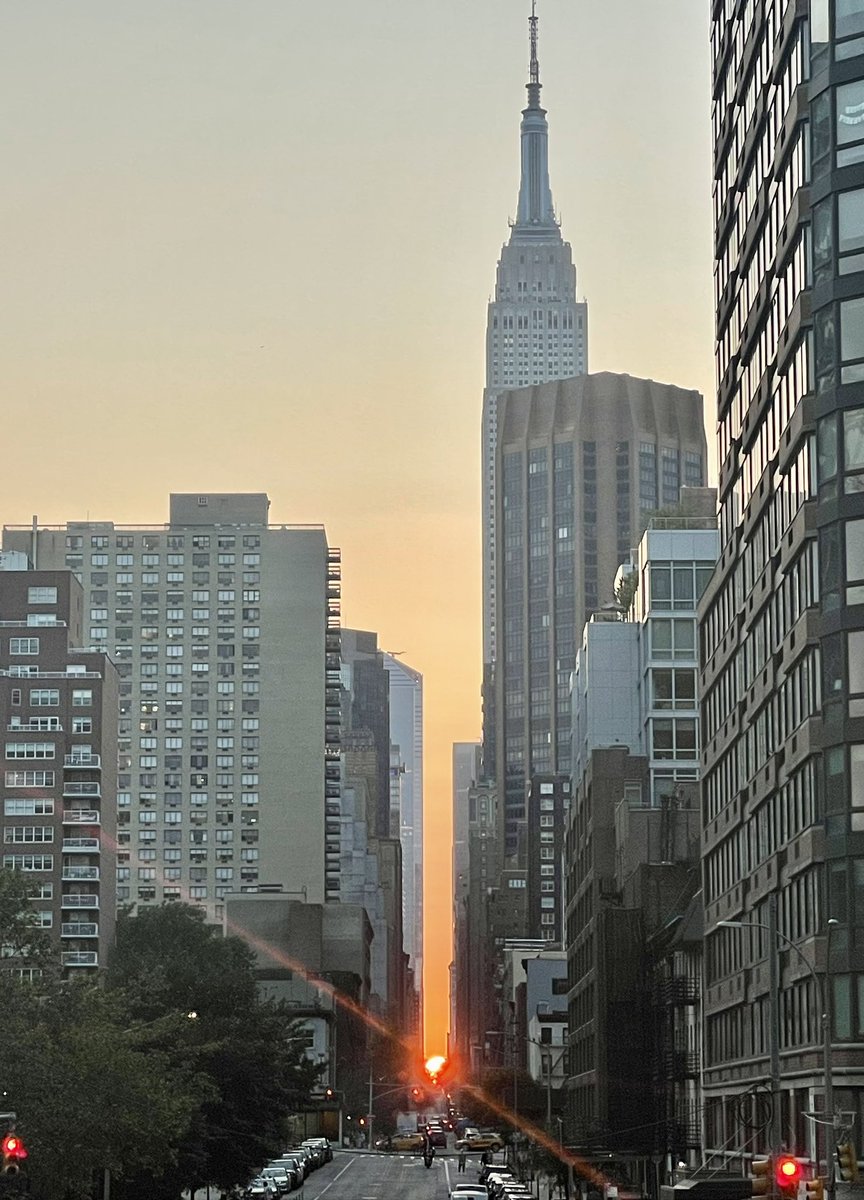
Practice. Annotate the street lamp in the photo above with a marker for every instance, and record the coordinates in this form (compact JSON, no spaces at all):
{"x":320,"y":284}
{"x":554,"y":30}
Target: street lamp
{"x":824,"y":1003}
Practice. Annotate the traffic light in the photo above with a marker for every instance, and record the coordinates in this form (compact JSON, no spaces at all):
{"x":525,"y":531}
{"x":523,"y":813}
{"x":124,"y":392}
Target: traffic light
{"x":847,"y":1157}
{"x":14,"y":1152}
{"x":816,"y":1188}
{"x":787,"y":1175}
{"x":761,"y":1173}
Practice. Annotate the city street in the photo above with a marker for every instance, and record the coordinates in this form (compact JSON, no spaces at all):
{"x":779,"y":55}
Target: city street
{"x":352,"y":1176}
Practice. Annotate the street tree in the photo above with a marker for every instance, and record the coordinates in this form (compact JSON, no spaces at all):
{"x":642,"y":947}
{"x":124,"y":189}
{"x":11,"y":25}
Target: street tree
{"x":170,"y":965}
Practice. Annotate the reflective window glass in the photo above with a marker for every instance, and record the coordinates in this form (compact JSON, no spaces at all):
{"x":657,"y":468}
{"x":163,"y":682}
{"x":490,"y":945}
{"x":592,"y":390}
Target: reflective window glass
{"x":852,"y":339}
{"x":853,"y":440}
{"x":825,"y":340}
{"x":820,"y":130}
{"x":850,"y":123}
{"x":850,"y":216}
{"x":826,"y":448}
{"x":855,"y":562}
{"x":823,"y":242}
{"x":829,"y":567}
{"x":849,"y":18}
{"x":855,"y":654}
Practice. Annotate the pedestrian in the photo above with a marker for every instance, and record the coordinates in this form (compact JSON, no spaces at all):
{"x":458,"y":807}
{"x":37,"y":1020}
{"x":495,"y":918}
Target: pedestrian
{"x":486,"y":1159}
{"x":462,"y":1158}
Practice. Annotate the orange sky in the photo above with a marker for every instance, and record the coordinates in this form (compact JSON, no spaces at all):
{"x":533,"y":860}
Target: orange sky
{"x":248,"y":246}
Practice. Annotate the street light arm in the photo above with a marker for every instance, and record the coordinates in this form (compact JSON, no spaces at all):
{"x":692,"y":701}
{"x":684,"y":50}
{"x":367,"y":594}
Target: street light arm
{"x":787,"y":941}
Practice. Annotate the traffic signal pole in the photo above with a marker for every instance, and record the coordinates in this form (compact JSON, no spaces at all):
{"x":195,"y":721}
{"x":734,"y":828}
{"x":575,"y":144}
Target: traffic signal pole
{"x":775,"y":1139}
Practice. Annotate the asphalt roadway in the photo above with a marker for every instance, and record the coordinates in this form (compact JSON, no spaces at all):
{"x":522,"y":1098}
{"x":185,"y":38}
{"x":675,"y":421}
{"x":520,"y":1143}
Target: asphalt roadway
{"x":383,"y":1176}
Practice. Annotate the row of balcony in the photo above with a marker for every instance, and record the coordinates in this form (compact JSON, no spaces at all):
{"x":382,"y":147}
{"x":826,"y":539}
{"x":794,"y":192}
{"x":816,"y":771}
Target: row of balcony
{"x":79,"y":900}
{"x":79,"y":958}
{"x":81,"y":845}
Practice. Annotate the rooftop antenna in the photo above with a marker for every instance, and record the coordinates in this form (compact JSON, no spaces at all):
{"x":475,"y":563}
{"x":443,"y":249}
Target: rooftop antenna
{"x":534,"y":83}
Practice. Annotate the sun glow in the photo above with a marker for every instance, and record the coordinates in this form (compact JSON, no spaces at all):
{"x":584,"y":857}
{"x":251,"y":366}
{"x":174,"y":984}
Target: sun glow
{"x":434,"y":1064}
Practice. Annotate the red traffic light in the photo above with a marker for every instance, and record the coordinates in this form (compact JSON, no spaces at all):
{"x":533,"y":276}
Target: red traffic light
{"x":787,"y":1172}
{"x":13,"y":1147}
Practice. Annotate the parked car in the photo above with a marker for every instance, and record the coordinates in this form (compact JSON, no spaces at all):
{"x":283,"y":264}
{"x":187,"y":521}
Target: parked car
{"x":468,"y":1191}
{"x":293,"y":1166}
{"x":284,"y":1182}
{"x":314,"y":1151}
{"x":473,"y":1139}
{"x":262,"y":1189}
{"x":302,"y":1152}
{"x":324,"y":1144}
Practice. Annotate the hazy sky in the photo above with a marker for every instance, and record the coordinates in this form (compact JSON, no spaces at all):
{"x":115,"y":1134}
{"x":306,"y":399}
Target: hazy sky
{"x":248,"y":246}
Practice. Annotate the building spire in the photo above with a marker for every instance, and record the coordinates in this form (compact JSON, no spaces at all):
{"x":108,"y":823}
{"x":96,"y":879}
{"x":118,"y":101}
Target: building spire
{"x":534,"y":84}
{"x":536,"y":213}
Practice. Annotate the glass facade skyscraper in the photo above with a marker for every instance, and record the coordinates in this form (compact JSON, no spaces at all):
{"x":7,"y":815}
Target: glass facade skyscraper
{"x":782,"y":623}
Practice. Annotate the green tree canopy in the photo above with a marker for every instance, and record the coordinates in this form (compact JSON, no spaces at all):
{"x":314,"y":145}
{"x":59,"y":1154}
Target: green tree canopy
{"x":168,"y":964}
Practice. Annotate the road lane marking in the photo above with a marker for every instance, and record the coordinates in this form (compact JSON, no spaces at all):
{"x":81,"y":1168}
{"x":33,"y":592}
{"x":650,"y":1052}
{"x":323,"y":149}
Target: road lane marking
{"x":335,"y":1178}
{"x":447,"y":1173}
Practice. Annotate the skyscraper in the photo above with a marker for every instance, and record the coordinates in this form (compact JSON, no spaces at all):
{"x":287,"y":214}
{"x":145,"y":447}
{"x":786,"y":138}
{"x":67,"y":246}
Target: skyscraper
{"x":782,"y":623}
{"x":581,"y":462}
{"x":406,"y":734}
{"x":225,"y":633}
{"x":536,"y":328}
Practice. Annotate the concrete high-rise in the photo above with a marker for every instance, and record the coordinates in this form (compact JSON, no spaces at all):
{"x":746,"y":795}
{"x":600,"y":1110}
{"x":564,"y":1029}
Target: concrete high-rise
{"x":225,"y":633}
{"x":581,"y":462}
{"x":406,"y":735}
{"x":536,"y":328}
{"x":782,"y":623}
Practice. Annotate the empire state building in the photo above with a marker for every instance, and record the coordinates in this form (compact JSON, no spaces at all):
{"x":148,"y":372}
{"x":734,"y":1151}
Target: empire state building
{"x":536,"y":331}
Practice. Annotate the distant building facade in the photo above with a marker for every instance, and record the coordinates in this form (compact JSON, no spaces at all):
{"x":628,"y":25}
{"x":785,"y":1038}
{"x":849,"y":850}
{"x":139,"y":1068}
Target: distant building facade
{"x":406,"y":736}
{"x":225,"y":633}
{"x":58,"y":708}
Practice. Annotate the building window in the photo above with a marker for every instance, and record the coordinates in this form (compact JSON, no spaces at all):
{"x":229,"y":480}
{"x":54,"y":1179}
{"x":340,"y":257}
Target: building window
{"x":24,"y":645}
{"x":30,"y":749}
{"x":42,"y":595}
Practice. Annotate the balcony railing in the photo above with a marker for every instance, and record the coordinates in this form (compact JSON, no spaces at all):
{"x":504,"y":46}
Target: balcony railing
{"x":80,"y":958}
{"x":81,"y":845}
{"x":81,"y":816}
{"x":79,"y":900}
{"x":83,"y":929}
{"x":83,"y":789}
{"x":80,"y":873}
{"x":87,"y":761}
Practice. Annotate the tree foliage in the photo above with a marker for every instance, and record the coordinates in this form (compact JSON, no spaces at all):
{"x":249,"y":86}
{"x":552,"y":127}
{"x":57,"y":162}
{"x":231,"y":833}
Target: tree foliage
{"x":87,"y":1098}
{"x":168,"y":961}
{"x":24,"y":944}
{"x":168,"y":1071}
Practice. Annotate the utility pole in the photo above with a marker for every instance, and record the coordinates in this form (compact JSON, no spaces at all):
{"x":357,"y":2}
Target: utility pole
{"x":774,"y":1023}
{"x":828,"y":1066}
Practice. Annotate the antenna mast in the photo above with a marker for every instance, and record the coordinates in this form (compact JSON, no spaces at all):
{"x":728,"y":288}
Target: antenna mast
{"x":535,"y":64}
